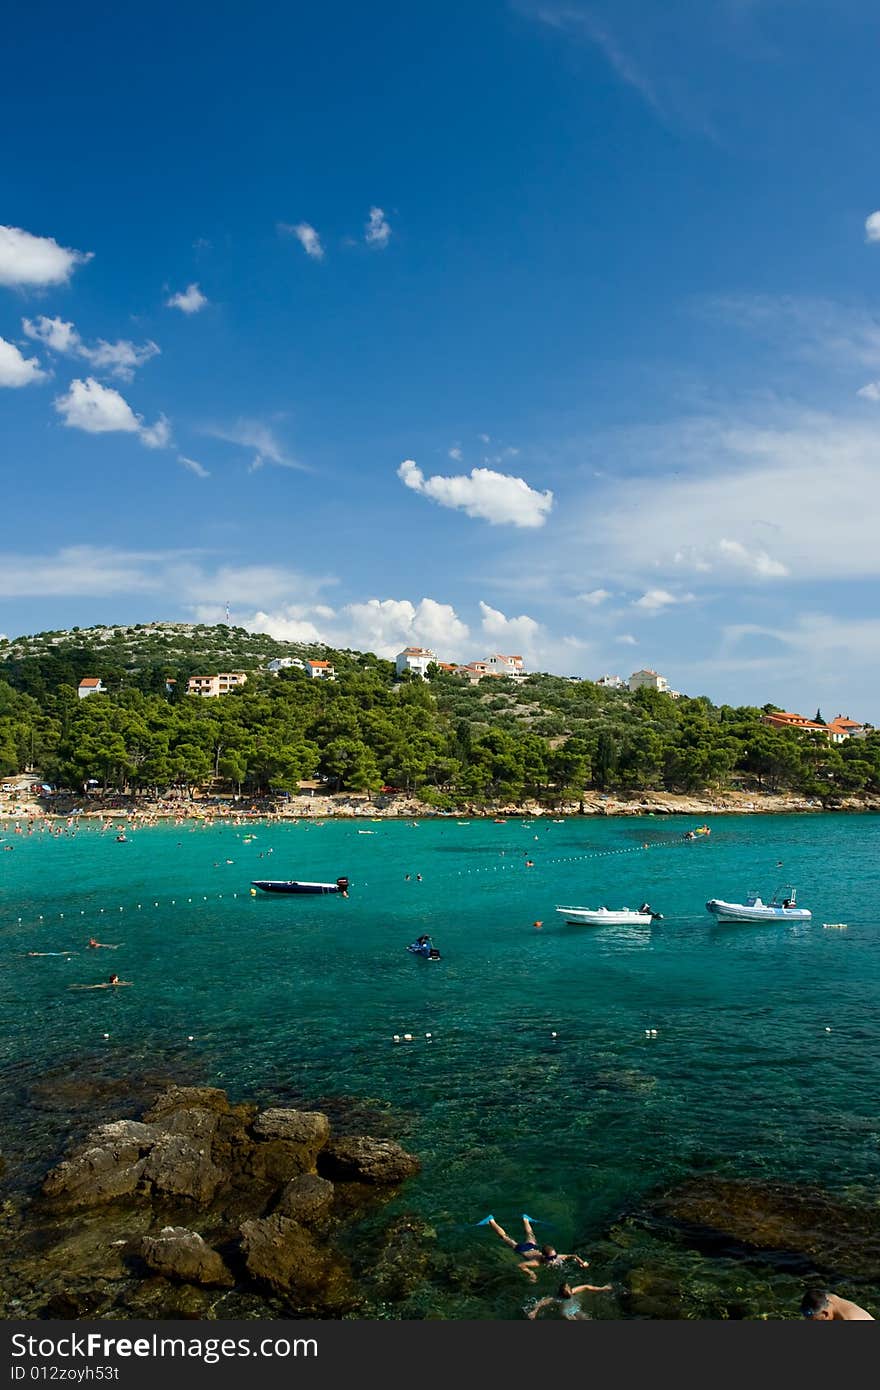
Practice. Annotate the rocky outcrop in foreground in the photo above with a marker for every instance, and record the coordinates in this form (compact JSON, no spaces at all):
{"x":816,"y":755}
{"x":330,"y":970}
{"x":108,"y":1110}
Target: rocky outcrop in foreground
{"x":148,"y":1215}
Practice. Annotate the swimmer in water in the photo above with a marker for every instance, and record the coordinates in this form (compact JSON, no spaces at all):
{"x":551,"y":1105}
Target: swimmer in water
{"x":534,"y":1256}
{"x":566,"y":1299}
{"x":112,"y":983}
{"x":103,"y":945}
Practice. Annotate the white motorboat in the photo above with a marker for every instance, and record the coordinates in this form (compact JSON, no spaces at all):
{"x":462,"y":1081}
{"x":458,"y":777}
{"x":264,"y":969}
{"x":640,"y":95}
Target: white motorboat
{"x":608,"y":917}
{"x":782,"y":907}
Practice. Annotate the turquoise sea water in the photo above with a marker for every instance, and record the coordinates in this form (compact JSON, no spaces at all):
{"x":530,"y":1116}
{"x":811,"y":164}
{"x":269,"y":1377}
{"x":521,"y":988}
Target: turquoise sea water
{"x":300,"y":998}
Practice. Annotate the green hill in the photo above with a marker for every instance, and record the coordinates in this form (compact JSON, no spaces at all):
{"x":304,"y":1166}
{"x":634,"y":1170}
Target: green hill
{"x":451,"y":742}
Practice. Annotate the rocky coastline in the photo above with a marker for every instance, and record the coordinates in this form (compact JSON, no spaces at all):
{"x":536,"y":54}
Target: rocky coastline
{"x":204,"y":1208}
{"x":350,"y":806}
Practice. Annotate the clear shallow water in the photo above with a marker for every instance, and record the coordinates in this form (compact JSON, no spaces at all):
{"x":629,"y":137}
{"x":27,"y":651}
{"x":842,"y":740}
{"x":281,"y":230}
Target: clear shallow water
{"x":300,"y":997}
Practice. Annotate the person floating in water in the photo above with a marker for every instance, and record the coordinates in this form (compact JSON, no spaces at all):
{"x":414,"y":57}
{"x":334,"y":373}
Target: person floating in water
{"x":822,"y":1306}
{"x":103,"y":945}
{"x":534,"y":1256}
{"x":113,"y":982}
{"x":566,"y":1299}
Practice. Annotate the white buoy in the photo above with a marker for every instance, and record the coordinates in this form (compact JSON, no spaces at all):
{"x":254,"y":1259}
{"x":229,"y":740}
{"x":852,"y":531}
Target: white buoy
{"x":827,"y":1029}
{"x":105,"y":1035}
{"x":407,"y":1037}
{"x":189,"y":1037}
{"x":428,"y":1035}
{"x":396,"y":1038}
{"x":553,"y":1035}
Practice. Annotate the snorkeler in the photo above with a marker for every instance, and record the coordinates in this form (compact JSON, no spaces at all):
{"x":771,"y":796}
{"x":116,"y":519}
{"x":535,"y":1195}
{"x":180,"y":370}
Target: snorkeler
{"x":535,"y":1256}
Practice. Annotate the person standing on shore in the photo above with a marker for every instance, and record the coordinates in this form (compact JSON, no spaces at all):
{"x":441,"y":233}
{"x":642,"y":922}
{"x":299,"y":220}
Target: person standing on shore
{"x":821,"y":1306}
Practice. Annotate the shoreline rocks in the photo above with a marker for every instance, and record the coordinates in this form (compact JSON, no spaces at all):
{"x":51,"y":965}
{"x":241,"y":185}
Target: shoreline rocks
{"x":201,"y":1194}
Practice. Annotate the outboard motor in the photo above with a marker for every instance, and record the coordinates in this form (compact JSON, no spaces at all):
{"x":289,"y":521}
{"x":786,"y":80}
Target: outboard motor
{"x":342,"y":886}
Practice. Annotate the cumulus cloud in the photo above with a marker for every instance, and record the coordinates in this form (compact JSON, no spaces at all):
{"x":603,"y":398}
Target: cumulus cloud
{"x":378,"y":230}
{"x":193,"y":466}
{"x":307,"y":237}
{"x":189,"y":301}
{"x":119,"y":358}
{"x":511,"y":635}
{"x":594,"y":597}
{"x":498,"y":498}
{"x":383,"y":626}
{"x":16,"y":369}
{"x":455,"y":453}
{"x":870,"y":391}
{"x":36,"y":262}
{"x":97,"y":409}
{"x":872,"y":227}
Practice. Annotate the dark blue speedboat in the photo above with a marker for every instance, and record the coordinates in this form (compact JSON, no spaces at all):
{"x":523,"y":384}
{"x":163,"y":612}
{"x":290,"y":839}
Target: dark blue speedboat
{"x":287,"y":885}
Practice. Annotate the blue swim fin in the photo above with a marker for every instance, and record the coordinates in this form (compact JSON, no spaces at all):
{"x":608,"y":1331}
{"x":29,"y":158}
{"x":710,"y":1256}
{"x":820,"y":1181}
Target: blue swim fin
{"x":485,"y":1221}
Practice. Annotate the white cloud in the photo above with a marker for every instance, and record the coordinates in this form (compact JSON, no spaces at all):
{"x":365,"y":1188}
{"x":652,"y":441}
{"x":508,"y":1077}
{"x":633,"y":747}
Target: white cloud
{"x":870,"y":391}
{"x":120,"y":358}
{"x":193,"y":466}
{"x":814,"y":330}
{"x":157,"y":436}
{"x":53,"y":333}
{"x":383,"y":626}
{"x":872,"y":227}
{"x":512,"y":635}
{"x":36,"y":261}
{"x":181,"y":577}
{"x":378,"y":229}
{"x":189,"y":301}
{"x":98,"y":409}
{"x":307,"y":237}
{"x":594,"y":597}
{"x":498,"y":498}
{"x":793,"y":497}
{"x":758,"y":562}
{"x":626,"y":639}
{"x":455,"y":453}
{"x":16,"y":369}
{"x":256,"y":435}
{"x":655,"y":600}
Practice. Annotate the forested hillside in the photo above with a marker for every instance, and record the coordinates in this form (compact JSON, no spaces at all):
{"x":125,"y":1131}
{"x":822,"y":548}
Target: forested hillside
{"x":450,"y":742}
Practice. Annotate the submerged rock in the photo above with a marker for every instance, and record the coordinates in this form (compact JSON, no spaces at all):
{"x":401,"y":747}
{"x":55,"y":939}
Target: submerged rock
{"x":788,"y":1226}
{"x":178,"y":1253}
{"x":306,"y":1199}
{"x":109,"y":1166}
{"x":360,"y":1158}
{"x":177,"y":1167}
{"x":281,"y":1254}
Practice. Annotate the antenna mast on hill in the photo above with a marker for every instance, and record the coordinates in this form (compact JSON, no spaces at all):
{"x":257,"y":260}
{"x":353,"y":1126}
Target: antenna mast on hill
{"x":227,"y":613}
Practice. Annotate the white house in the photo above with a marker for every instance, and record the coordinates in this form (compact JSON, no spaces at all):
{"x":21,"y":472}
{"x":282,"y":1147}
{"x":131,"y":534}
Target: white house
{"x":416,"y":659}
{"x":650,"y":680}
{"x":611,"y":683}
{"x":498,"y":665}
{"x":284,"y":663}
{"x":90,"y":685}
{"x":320,"y":670}
{"x":213,"y":686}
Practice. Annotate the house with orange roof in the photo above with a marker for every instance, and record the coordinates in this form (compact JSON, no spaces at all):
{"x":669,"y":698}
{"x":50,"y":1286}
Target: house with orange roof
{"x":836,"y":730}
{"x":320,"y":670}
{"x":90,"y":685}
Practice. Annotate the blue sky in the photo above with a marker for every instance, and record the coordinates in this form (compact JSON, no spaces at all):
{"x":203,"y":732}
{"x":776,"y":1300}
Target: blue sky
{"x":513,"y":325}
